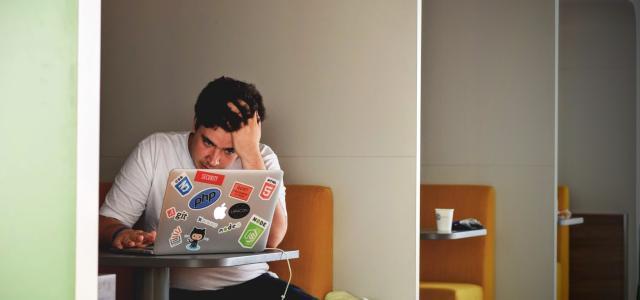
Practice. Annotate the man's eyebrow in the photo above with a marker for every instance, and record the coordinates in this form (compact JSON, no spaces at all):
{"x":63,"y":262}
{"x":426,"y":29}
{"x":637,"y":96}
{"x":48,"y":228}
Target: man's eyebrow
{"x":206,"y":139}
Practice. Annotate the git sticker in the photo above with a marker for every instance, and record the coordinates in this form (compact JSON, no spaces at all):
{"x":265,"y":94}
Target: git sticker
{"x":181,"y":215}
{"x":241,"y":191}
{"x":182,"y":184}
{"x":252,"y":233}
{"x":210,"y":178}
{"x":176,"y":237}
{"x":171,"y":212}
{"x":268,"y":187}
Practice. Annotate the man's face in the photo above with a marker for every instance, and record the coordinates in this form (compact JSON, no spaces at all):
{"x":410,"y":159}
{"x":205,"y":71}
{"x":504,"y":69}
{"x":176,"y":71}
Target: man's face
{"x":211,"y":148}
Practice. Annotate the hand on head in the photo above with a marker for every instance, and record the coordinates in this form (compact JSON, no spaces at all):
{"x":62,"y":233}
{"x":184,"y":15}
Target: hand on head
{"x":246,"y":139}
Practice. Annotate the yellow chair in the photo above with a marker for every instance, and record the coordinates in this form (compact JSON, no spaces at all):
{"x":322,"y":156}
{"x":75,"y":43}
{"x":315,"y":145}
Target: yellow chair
{"x":563,"y":247}
{"x":458,"y":269}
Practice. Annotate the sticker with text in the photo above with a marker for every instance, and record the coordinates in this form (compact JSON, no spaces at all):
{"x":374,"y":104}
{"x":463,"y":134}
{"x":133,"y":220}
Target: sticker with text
{"x":176,"y":237}
{"x":207,"y":222}
{"x":252,"y":233}
{"x":182,"y":184}
{"x":196,"y":236}
{"x":205,"y":198}
{"x":181,"y":215}
{"x":220,"y":212}
{"x":171,"y":212}
{"x":241,"y":191}
{"x":239,"y":210}
{"x":210,"y":178}
{"x":229,"y":227}
{"x":268,"y":187}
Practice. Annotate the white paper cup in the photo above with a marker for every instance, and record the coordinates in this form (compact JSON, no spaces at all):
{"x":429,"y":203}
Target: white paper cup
{"x":444,"y":218}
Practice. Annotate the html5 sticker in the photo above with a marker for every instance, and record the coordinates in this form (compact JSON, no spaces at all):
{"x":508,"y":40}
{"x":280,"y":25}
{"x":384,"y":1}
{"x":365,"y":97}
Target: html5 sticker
{"x":182,"y":184}
{"x":268,"y":187}
{"x":210,"y":178}
{"x":241,"y":191}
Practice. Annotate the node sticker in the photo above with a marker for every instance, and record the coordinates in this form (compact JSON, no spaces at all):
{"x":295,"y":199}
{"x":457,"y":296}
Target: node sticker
{"x":268,"y":187}
{"x":229,"y":227}
{"x":182,"y":184}
{"x":207,"y":222}
{"x":252,"y":233}
{"x":171,"y":212}
{"x":176,"y":237}
{"x":210,"y":178}
{"x":205,"y":198}
{"x":241,"y":191}
{"x":239,"y":210}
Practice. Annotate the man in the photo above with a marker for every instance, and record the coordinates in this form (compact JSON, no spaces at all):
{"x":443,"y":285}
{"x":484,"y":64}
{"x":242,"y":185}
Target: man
{"x":225,"y":135}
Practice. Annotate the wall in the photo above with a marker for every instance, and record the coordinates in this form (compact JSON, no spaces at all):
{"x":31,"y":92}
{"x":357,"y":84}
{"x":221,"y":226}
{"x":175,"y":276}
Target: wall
{"x":37,"y":150}
{"x":597,"y":112}
{"x":488,"y":107}
{"x":339,"y":81}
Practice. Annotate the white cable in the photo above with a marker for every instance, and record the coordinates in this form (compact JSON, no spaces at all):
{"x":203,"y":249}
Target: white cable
{"x":290,"y":272}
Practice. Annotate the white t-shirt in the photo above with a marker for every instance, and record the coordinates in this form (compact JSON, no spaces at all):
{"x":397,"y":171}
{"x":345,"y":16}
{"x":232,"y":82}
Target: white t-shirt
{"x":139,"y":188}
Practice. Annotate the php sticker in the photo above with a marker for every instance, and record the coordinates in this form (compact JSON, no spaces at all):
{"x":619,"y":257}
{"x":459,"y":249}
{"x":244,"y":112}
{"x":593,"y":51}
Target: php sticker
{"x":171,"y":212}
{"x":209,"y":178}
{"x":252,"y":233}
{"x":205,"y":198}
{"x":239,"y":210}
{"x":229,"y":227}
{"x":241,"y":191}
{"x":176,"y":237}
{"x":268,"y":187}
{"x":182,"y":184}
{"x":207,"y":222}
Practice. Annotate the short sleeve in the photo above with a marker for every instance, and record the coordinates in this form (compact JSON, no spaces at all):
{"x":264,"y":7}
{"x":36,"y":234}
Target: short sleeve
{"x":127,"y":198}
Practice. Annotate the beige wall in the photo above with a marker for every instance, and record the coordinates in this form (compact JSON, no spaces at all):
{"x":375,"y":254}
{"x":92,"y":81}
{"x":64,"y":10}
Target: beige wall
{"x":488,"y":107}
{"x":339,"y":81}
{"x":597,"y":112}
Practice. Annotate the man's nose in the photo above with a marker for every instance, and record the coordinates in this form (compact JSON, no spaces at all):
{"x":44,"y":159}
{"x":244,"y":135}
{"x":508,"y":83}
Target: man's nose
{"x":214,"y":156}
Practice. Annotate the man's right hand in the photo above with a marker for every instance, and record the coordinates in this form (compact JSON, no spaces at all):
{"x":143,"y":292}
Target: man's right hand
{"x":131,"y":238}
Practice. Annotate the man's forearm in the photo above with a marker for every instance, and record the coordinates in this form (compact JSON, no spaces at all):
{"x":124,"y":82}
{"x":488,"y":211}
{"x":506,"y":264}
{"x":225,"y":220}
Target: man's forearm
{"x":107,"y":227}
{"x":279,"y":226}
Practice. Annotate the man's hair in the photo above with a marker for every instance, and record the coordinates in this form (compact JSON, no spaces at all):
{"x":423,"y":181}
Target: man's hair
{"x":212,"y":110}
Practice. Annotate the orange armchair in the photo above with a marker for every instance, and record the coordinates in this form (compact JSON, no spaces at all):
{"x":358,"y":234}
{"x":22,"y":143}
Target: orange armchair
{"x":464,"y":268}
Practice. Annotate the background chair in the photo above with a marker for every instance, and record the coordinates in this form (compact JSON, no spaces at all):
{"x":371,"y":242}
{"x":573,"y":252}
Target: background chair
{"x":464,"y":268}
{"x":563,"y":248}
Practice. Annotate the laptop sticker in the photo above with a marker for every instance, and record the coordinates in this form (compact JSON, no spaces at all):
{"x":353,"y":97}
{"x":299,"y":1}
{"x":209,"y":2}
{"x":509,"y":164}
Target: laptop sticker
{"x":241,"y":191}
{"x":239,"y":210}
{"x":220,"y":212}
{"x":268,"y":187}
{"x":171,"y":212}
{"x":229,"y":227}
{"x":209,"y":178}
{"x":196,"y":235}
{"x":181,"y":216}
{"x":182,"y":184}
{"x":176,"y":237}
{"x":205,"y":198}
{"x":207,"y":222}
{"x":252,"y":233}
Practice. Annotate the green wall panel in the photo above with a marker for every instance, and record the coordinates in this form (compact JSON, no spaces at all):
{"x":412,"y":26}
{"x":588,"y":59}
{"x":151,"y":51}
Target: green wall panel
{"x":38,"y":81}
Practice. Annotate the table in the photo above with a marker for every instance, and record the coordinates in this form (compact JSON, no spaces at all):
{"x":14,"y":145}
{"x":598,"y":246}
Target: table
{"x":570,"y":221}
{"x":430,"y":234}
{"x":155,"y":281}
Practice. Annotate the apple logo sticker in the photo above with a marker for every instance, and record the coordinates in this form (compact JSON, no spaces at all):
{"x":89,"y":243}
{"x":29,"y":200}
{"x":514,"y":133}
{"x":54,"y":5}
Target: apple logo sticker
{"x":220,"y":212}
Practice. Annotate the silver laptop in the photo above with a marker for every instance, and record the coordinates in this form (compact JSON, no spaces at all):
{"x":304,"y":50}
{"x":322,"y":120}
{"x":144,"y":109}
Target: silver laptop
{"x":215,"y":211}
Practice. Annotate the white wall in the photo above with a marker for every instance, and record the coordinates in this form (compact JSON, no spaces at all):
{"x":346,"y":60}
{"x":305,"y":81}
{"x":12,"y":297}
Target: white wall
{"x":488,"y":107}
{"x":339,"y":81}
{"x":597,"y":112}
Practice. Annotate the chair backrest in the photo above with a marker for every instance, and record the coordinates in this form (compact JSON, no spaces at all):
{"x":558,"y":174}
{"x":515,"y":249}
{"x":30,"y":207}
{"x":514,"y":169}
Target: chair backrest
{"x":468,"y":260}
{"x":310,"y":230}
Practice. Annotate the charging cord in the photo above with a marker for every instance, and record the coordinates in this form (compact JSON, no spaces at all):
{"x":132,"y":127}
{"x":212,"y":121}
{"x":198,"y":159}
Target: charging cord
{"x":290,"y":272}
